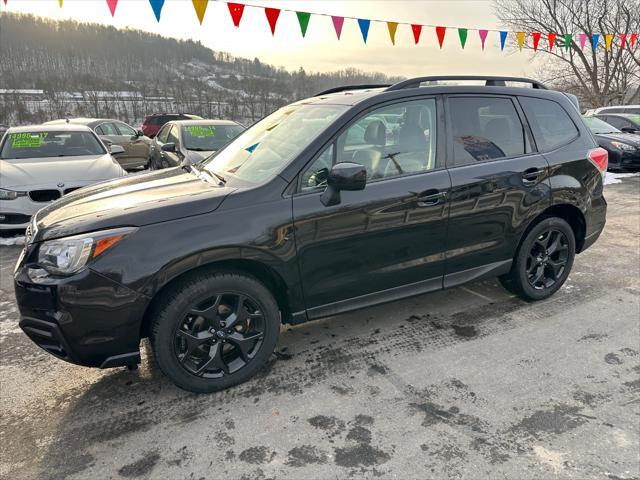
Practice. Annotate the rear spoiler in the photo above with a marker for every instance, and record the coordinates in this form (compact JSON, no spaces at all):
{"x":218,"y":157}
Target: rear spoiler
{"x":573,"y":100}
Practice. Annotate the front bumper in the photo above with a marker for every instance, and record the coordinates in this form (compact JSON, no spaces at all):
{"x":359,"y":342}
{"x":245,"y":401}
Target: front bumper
{"x":86,"y":319}
{"x":16,"y":214}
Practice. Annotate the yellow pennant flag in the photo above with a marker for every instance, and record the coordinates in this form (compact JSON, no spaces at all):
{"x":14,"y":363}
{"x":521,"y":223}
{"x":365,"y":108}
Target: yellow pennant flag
{"x":392,"y":26}
{"x":60,"y":3}
{"x":608,"y":38}
{"x":520,"y":37}
{"x":201,"y":7}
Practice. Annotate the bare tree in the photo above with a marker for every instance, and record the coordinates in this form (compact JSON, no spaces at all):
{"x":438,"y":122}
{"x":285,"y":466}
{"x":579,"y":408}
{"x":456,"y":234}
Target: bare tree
{"x":599,"y":77}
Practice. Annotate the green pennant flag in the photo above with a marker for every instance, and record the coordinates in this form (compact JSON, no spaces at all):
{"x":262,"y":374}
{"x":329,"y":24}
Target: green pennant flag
{"x":303,"y":20}
{"x":462,"y":32}
{"x":567,"y":41}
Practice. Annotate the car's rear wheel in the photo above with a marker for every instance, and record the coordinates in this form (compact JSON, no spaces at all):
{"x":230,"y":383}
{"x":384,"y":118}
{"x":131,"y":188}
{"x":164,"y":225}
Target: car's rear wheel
{"x":214,"y":330}
{"x":543,"y":261}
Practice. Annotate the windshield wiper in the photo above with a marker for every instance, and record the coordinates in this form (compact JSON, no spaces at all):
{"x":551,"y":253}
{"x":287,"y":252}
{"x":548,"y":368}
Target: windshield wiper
{"x":199,"y":149}
{"x":218,"y":176}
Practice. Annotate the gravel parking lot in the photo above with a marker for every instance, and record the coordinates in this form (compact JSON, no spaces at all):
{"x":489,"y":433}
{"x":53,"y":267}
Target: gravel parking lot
{"x":466,"y":383}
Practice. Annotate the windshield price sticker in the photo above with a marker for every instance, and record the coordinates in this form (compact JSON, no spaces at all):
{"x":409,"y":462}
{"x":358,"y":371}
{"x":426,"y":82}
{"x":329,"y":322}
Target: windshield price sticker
{"x":201,"y":131}
{"x":28,"y":139}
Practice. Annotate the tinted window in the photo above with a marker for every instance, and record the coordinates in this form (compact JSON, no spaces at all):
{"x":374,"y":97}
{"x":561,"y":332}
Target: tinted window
{"x":37,"y":144}
{"x":173,"y":135}
{"x":485,"y":128}
{"x":109,"y":129}
{"x":208,"y":137}
{"x":164,"y":132}
{"x":551,"y":125}
{"x":125,"y":129}
{"x":395,"y":140}
{"x":315,"y":176}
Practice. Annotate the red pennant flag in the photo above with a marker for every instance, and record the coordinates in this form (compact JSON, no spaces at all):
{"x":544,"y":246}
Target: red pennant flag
{"x":623,"y":39}
{"x":337,"y":24}
{"x":483,"y":36}
{"x":417,"y":30}
{"x":536,"y":39}
{"x":112,"y":6}
{"x":552,"y":40}
{"x":632,"y":40}
{"x":440,"y":31}
{"x":5,"y":2}
{"x":236,"y":10}
{"x":272,"y":16}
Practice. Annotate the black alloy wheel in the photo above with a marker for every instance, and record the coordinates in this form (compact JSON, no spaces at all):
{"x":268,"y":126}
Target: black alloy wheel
{"x":547,"y":259}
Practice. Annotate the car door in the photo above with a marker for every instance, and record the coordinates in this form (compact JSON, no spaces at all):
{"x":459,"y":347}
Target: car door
{"x":388,"y":240}
{"x":136,"y":145}
{"x":109,"y":132}
{"x":156,"y":144}
{"x":499,"y":183}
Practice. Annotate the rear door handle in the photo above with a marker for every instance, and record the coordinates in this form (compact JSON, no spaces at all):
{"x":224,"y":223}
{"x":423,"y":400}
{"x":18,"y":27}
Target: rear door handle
{"x":531,"y":175}
{"x":430,"y":198}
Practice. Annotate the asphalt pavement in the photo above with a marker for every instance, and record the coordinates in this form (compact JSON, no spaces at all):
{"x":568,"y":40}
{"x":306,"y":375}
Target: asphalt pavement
{"x":466,"y":383}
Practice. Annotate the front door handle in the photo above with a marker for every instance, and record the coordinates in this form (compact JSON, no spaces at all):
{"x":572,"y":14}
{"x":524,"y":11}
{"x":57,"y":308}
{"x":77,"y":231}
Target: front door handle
{"x":531,"y":175}
{"x":430,"y":198}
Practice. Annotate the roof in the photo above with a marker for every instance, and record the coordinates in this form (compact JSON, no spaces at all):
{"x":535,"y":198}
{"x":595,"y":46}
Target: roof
{"x":183,"y":123}
{"x":62,"y":127}
{"x":78,"y":121}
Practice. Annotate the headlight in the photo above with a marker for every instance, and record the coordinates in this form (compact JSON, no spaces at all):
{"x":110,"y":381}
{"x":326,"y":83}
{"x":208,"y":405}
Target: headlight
{"x":66,"y":256}
{"x":623,"y":146}
{"x":10,"y":194}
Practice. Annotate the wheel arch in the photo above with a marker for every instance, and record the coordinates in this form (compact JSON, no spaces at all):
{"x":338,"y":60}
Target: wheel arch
{"x":570,"y":214}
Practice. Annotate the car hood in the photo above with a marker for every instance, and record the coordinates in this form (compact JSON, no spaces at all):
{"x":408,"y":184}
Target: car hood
{"x":629,"y":138}
{"x":20,"y":174}
{"x":136,"y":200}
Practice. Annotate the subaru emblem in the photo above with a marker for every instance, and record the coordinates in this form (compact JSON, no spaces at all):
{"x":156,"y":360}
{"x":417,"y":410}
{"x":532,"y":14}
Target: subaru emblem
{"x":60,"y":185}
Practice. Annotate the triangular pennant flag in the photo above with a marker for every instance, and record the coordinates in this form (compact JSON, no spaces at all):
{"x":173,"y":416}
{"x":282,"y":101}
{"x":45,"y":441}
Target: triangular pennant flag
{"x":594,"y":40}
{"x":552,"y":40}
{"x":60,"y":3}
{"x":272,"y":17}
{"x":112,"y":6}
{"x":608,"y":38}
{"x":338,"y":22}
{"x":536,"y":39}
{"x":156,"y":5}
{"x":567,"y":41}
{"x":364,"y":28}
{"x":503,"y":39}
{"x":632,"y":40}
{"x":417,"y":30}
{"x":462,"y":33}
{"x":483,"y":36}
{"x":303,"y":20}
{"x":236,"y":10}
{"x":583,"y":39}
{"x":200,"y":7}
{"x":392,"y":26}
{"x":623,"y":39}
{"x":520,"y":38}
{"x":440,"y":31}
{"x":5,"y":2}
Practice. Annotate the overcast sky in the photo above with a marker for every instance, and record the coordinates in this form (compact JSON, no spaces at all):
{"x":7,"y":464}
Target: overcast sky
{"x":320,"y":50}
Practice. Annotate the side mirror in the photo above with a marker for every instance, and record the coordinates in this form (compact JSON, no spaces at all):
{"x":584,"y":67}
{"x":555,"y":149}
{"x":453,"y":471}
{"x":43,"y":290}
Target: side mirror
{"x":116,"y":149}
{"x":139,"y":133}
{"x":343,"y":176}
{"x":168,"y":147}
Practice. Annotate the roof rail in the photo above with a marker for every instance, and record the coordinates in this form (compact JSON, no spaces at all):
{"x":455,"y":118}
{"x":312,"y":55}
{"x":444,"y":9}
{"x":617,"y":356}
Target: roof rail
{"x":345,"y":88}
{"x":489,"y":81}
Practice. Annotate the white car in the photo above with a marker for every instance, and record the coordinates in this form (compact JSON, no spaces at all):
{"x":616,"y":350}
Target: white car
{"x":41,"y":163}
{"x":635,"y":109}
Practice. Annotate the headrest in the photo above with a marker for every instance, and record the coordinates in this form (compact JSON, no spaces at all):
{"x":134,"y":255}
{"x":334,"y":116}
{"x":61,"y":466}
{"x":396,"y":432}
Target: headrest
{"x":376,"y":133}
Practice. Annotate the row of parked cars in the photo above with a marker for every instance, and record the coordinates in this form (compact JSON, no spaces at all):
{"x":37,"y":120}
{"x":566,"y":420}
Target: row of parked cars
{"x":41,"y":163}
{"x":617,"y":130}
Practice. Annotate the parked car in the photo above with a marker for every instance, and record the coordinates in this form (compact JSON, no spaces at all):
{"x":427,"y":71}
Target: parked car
{"x":3,"y":129}
{"x":289,"y":223}
{"x":137,"y":147}
{"x":625,"y":122}
{"x":614,"y":109}
{"x":190,"y":141}
{"x":41,"y":163}
{"x":623,"y":148}
{"x":154,"y":122}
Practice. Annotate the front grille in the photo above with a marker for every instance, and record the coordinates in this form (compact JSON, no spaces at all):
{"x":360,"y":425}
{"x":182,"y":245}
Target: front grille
{"x":13,"y":218}
{"x":44,"y":195}
{"x":47,"y":336}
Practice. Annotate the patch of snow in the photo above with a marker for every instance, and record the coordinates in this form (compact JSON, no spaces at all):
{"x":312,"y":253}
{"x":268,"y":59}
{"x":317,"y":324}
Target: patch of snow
{"x":612,"y":178}
{"x":19,"y":240}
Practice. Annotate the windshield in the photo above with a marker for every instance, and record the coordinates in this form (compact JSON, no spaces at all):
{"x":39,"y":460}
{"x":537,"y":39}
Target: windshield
{"x":634,"y":118}
{"x":598,"y":126}
{"x":37,"y":144}
{"x":258,"y":153}
{"x":209,"y":137}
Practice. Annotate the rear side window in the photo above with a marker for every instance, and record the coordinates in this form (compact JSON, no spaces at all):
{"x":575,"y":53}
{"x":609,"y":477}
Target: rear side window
{"x":485,"y":128}
{"x":551,"y":125}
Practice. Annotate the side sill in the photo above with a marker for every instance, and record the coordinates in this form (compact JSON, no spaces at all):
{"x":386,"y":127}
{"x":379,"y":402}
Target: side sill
{"x":465,"y":276}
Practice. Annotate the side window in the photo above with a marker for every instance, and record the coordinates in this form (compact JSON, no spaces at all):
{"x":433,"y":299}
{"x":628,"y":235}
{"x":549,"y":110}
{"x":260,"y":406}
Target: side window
{"x":163,"y":133}
{"x":551,"y":125}
{"x":316,"y":174}
{"x":394,"y":140}
{"x":173,"y":135}
{"x":485,"y":128}
{"x":125,"y":129}
{"x":109,"y":129}
{"x":99,"y":130}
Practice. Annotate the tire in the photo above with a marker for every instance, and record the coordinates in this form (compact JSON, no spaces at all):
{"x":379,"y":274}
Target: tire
{"x":543,"y":261}
{"x":191,"y":341}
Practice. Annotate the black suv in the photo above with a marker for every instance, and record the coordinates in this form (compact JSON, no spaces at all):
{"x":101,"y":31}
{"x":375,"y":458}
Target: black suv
{"x":357,"y":196}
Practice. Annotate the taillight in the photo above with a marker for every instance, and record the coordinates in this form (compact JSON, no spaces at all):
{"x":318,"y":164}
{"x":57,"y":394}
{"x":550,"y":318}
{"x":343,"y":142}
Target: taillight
{"x":600,"y":158}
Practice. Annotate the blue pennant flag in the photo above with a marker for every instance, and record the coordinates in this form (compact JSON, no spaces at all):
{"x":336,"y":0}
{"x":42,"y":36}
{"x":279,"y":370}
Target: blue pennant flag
{"x":157,"y":7}
{"x":503,"y":39}
{"x":594,"y":40}
{"x":364,"y":28}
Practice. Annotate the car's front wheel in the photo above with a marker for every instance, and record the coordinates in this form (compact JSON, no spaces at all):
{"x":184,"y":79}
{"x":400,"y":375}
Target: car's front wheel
{"x":214,"y":330}
{"x":543,"y":261}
